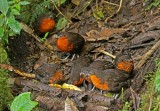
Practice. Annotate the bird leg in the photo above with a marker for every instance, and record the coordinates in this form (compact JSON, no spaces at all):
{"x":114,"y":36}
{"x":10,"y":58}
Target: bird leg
{"x":73,"y":57}
{"x":115,"y":96}
{"x":101,"y":92}
{"x":93,"y":88}
{"x":67,"y":56}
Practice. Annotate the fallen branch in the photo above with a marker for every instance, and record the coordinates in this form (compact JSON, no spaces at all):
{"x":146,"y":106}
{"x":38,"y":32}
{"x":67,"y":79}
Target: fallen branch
{"x":21,"y":73}
{"x":57,"y":92}
{"x":107,"y":53}
{"x":147,"y":55}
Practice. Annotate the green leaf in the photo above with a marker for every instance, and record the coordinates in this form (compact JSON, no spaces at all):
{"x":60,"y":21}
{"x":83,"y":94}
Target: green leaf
{"x":11,"y":33}
{"x":45,"y":36}
{"x":11,"y":2}
{"x":15,"y":12}
{"x":62,"y":1}
{"x":4,"y":6}
{"x":24,"y":3}
{"x":2,"y":18}
{"x":23,"y":103}
{"x":59,"y":2}
{"x":17,"y":6}
{"x":62,"y":22}
{"x":14,"y":25}
{"x":1,"y":32}
{"x":98,"y":14}
{"x":157,"y":81}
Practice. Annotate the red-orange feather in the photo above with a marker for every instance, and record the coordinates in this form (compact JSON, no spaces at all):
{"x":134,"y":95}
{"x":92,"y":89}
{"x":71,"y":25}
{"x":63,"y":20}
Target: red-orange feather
{"x":46,"y":25}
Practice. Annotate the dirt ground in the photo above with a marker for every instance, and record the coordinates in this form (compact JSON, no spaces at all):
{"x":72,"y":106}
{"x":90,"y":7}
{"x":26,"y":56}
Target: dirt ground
{"x":131,"y":30}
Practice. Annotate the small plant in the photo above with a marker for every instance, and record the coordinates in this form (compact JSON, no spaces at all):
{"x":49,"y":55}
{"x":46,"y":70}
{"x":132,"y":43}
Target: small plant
{"x":9,"y":26}
{"x":23,"y":103}
{"x":155,"y":3}
{"x":150,"y":99}
{"x":157,"y":79}
{"x":5,"y":95}
{"x":126,"y":106}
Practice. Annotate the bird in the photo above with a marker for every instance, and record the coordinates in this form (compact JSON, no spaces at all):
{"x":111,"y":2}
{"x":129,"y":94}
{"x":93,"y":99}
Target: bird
{"x":97,"y":64}
{"x":44,"y":23}
{"x":70,"y":42}
{"x":111,"y":79}
{"x":49,"y":73}
{"x":124,"y":63}
{"x":77,"y":65}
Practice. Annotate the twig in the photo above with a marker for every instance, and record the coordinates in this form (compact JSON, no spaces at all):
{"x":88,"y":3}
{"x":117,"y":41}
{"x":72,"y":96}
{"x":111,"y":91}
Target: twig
{"x":119,"y":8}
{"x":111,"y":3}
{"x":147,"y":55}
{"x":136,"y":99}
{"x":81,"y":9}
{"x":151,"y":99}
{"x":36,"y":37}
{"x":107,"y":53}
{"x":120,"y":5}
{"x":30,"y":31}
{"x":60,"y":11}
{"x":139,"y":45}
{"x":11,"y":68}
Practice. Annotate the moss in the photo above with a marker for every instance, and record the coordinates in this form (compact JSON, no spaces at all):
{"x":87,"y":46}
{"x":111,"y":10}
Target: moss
{"x":126,"y":106}
{"x":5,"y":95}
{"x":150,"y":100}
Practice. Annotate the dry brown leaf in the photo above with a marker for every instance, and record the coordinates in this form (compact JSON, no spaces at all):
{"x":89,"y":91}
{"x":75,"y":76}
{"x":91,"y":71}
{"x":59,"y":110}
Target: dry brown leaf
{"x":104,"y":34}
{"x":70,"y":105}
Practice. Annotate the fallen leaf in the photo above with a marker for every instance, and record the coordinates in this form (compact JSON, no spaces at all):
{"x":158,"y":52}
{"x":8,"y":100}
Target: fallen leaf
{"x":104,"y":34}
{"x":66,"y":86}
{"x":70,"y":86}
{"x":70,"y":105}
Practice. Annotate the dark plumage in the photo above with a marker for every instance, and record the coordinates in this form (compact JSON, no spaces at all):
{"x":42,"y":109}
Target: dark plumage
{"x":70,"y":42}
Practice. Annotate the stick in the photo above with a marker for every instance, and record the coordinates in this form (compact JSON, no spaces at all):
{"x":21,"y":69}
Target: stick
{"x":36,"y":37}
{"x":11,"y":68}
{"x":107,"y":53}
{"x":30,"y":31}
{"x":119,"y":8}
{"x":147,"y":55}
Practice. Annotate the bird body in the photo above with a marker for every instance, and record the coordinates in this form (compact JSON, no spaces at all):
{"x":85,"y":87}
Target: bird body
{"x":111,"y":80}
{"x":76,"y":68}
{"x":70,"y":42}
{"x":44,"y":23}
{"x":124,"y":63}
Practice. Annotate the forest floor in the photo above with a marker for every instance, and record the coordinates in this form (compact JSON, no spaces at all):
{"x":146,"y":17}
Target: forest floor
{"x":129,"y":29}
